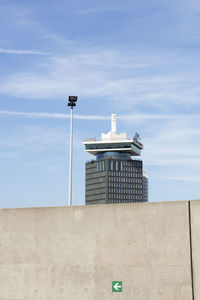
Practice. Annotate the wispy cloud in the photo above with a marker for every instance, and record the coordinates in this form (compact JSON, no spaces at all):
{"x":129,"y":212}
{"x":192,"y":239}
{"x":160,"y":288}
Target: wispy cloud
{"x":104,"y":8}
{"x":157,"y":116}
{"x":174,"y":144}
{"x":132,"y":117}
{"x":173,"y":141}
{"x":112,"y":6}
{"x":117,"y":75}
{"x":21,"y":52}
{"x":189,"y":179}
{"x":38,"y":139}
{"x":22,"y":19}
{"x":33,"y":139}
{"x":51,"y":115}
{"x":90,"y":75}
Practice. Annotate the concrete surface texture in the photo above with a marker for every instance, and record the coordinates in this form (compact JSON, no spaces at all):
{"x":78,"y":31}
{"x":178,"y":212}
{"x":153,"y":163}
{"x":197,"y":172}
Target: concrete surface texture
{"x":195,"y":241}
{"x":74,"y":253}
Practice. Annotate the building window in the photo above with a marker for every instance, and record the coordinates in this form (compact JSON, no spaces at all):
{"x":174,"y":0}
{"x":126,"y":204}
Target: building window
{"x":111,"y":164}
{"x":101,"y":166}
{"x":116,"y":165}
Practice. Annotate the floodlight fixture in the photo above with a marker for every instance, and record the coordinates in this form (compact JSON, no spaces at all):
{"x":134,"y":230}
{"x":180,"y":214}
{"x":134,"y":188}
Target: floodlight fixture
{"x":72,"y":100}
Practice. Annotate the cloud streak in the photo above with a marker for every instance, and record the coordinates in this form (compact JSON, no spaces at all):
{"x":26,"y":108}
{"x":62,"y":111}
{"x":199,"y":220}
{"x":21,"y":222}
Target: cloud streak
{"x":21,"y":19}
{"x":123,"y":78}
{"x":132,"y":117}
{"x":51,"y":115}
{"x":21,"y":52}
{"x":189,"y":179}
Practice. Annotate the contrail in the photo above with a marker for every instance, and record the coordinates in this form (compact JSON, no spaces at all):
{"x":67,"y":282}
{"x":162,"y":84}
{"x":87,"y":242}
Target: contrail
{"x":128,"y":117}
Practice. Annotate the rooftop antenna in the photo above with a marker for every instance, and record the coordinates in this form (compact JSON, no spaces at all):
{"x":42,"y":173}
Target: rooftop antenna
{"x":113,"y":123}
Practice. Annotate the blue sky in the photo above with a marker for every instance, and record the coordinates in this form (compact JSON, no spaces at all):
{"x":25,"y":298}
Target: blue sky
{"x":138,"y":59}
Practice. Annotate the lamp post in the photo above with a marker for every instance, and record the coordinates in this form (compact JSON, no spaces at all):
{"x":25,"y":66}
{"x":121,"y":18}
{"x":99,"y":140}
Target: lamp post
{"x":72,"y":100}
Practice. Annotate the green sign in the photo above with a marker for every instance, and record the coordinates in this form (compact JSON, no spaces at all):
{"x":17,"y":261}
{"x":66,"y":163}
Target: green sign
{"x":116,"y":286}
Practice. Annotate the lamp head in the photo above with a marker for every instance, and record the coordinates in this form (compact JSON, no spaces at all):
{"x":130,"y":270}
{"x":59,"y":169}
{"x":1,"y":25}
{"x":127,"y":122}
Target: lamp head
{"x":73,"y":99}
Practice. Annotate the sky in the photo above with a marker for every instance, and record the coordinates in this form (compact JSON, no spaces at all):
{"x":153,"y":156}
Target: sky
{"x":138,"y":59}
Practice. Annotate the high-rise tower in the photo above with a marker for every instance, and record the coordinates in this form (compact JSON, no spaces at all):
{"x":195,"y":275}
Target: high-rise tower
{"x":114,"y":177}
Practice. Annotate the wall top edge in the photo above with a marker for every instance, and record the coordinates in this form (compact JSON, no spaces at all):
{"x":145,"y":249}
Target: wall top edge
{"x":100,"y":206}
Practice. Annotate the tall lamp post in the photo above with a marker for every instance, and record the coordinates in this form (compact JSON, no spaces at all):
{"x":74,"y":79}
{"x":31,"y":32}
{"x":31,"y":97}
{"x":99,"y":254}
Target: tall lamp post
{"x":72,"y":100}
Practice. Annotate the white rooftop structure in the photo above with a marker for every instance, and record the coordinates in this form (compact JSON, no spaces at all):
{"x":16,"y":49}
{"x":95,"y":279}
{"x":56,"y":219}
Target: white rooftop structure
{"x":113,"y":142}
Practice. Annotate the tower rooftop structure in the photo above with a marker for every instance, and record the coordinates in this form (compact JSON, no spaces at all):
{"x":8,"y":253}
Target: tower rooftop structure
{"x":113,"y":142}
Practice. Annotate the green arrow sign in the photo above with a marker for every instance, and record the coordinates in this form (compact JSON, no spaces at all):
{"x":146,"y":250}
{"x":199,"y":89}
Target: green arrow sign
{"x":116,"y":286}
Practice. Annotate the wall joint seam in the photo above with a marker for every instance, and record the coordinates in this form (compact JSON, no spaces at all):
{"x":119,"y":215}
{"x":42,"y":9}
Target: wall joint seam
{"x":190,"y":241}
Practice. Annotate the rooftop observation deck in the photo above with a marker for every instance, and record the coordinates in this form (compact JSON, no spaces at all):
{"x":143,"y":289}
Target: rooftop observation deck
{"x":114,"y":142}
{"x":127,"y":146}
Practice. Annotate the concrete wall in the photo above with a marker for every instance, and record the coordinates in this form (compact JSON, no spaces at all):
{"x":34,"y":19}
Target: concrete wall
{"x":74,"y":253}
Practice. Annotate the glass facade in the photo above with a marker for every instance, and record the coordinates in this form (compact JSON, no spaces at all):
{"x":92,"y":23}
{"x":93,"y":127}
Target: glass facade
{"x":95,"y":192}
{"x":113,"y":180}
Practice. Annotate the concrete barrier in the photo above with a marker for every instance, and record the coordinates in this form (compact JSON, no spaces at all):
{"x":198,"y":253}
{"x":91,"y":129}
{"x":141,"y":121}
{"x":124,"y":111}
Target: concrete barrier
{"x":75,"y":253}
